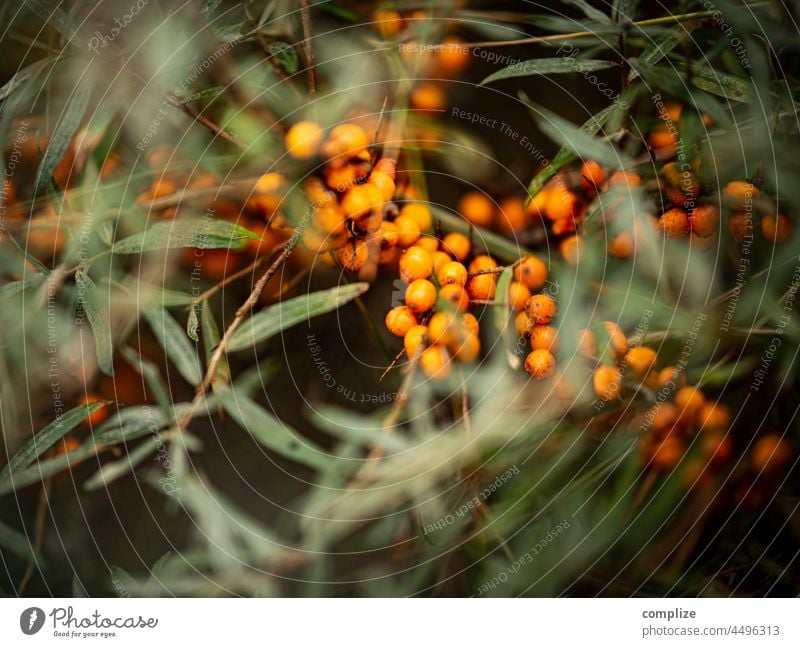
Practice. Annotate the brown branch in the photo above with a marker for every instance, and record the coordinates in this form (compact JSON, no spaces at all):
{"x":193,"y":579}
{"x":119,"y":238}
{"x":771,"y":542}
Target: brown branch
{"x":38,"y":533}
{"x":311,"y":74}
{"x":204,"y":121}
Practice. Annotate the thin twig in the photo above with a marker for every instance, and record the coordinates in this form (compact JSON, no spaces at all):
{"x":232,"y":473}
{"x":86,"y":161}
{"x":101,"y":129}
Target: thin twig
{"x":697,"y":15}
{"x":38,"y":533}
{"x":392,"y":365}
{"x":221,"y":348}
{"x":230,"y":279}
{"x":311,"y":73}
{"x":205,"y":121}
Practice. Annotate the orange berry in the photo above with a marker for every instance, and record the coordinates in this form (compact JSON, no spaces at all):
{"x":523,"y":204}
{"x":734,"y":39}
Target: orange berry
{"x":624,"y":178}
{"x":713,"y":415}
{"x":416,"y":263}
{"x":640,"y":359}
{"x":415,"y":340}
{"x":770,"y":453}
{"x":400,"y":320}
{"x":456,"y":296}
{"x":361,"y":200}
{"x":522,"y":324}
{"x":674,"y":223}
{"x":476,"y":208}
{"x":689,"y":401}
{"x":329,"y":219}
{"x":561,"y":203}
{"x":216,"y":264}
{"x":617,"y":339}
{"x":303,"y":139}
{"x":353,"y":255}
{"x":408,"y":231}
{"x":606,"y":381}
{"x":388,"y":256}
{"x":592,"y":175}
{"x":667,"y":453}
{"x":662,"y":417}
{"x":387,"y":23}
{"x":738,"y":194}
{"x":272,"y":183}
{"x":452,"y":56}
{"x":540,"y":363}
{"x":518,"y":295}
{"x":531,"y":272}
{"x":705,"y":220}
{"x":345,"y":140}
{"x":388,"y":234}
{"x":451,"y":272}
{"x":482,"y":263}
{"x":467,"y":349}
{"x":513,"y":216}
{"x":420,"y":295}
{"x":419,"y":213}
{"x":570,"y":249}
{"x":740,"y":225}
{"x":481,"y":287}
{"x":98,"y":415}
{"x":428,"y":243}
{"x":587,"y":342}
{"x":435,"y":363}
{"x":622,"y":245}
{"x":457,"y":245}
{"x":544,"y":338}
{"x":383,"y":183}
{"x":541,"y":309}
{"x":671,"y":377}
{"x":387,"y":166}
{"x":441,"y":328}
{"x":717,"y":447}
{"x":776,"y":229}
{"x":661,"y":139}
{"x":470,"y":323}
{"x":428,"y":96}
{"x":440,"y":259}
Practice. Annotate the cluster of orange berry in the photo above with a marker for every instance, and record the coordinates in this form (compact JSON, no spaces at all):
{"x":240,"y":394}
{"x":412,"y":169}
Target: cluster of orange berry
{"x":442,"y":283}
{"x":687,"y":205}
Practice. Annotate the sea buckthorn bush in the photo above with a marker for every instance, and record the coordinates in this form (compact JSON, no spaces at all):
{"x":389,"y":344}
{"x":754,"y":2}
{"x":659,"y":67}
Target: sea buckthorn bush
{"x":366,"y":299}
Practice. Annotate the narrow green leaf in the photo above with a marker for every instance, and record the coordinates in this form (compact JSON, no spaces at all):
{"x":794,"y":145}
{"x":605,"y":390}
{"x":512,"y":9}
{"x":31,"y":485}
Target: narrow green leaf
{"x":662,"y":46}
{"x":210,"y":330}
{"x":175,"y":344}
{"x":90,"y":302}
{"x":78,"y":590}
{"x":20,"y":77}
{"x":501,"y":309}
{"x":578,"y":140}
{"x":17,"y":543}
{"x":352,"y":427}
{"x":47,"y":437}
{"x":272,"y":432}
{"x":283,"y":315}
{"x":151,"y":376}
{"x":62,"y":136}
{"x":589,"y":11}
{"x":200,"y":233}
{"x":566,"y":155}
{"x":542,"y":66}
{"x":721,"y":84}
{"x":110,"y":472}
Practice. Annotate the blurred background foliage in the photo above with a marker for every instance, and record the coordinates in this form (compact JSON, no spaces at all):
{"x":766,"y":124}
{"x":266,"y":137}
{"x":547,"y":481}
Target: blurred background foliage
{"x":134,"y":132}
